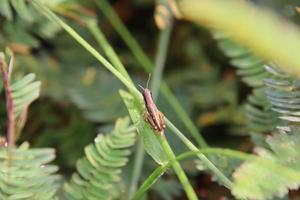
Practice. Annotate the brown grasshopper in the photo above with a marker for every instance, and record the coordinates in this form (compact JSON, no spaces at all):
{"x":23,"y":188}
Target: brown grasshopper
{"x":153,"y":116}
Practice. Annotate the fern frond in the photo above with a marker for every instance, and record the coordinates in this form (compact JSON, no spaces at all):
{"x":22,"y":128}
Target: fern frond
{"x":249,"y":67}
{"x":100,"y":169}
{"x":259,"y":112}
{"x":250,"y":179}
{"x":18,"y":97}
{"x":25,"y":173}
{"x":261,"y":118}
{"x":284,"y":94}
{"x":282,"y":91}
{"x":24,"y":92}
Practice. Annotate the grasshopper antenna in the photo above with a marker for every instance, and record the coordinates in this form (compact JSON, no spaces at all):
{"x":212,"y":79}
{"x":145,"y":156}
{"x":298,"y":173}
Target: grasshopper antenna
{"x":141,"y":87}
{"x":149,"y":77}
{"x":146,"y":84}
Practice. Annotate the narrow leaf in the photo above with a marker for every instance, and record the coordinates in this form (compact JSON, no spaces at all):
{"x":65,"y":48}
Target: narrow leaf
{"x":149,"y":137}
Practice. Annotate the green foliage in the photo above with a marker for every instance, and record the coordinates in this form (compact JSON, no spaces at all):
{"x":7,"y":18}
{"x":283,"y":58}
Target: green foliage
{"x":259,"y":113}
{"x":99,"y":170}
{"x":283,"y":93}
{"x":167,"y":189}
{"x":70,"y":77}
{"x":21,"y":20}
{"x":26,"y":174}
{"x":261,"y":118}
{"x":148,"y":135}
{"x":249,"y":67}
{"x":226,"y":16}
{"x":275,"y":95}
{"x":257,"y":181}
{"x":62,"y":137}
{"x":19,"y":6}
{"x":24,"y":92}
{"x":282,"y":147}
{"x":96,"y":95}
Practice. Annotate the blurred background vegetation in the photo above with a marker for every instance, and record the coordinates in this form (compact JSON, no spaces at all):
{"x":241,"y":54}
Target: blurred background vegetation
{"x":80,"y":99}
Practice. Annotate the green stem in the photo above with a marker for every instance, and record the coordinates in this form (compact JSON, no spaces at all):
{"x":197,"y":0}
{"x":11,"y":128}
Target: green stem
{"x":10,"y":109}
{"x":87,"y":46}
{"x":124,"y":33}
{"x":108,"y":50}
{"x":227,"y":182}
{"x":145,"y":62}
{"x":137,"y":168}
{"x":167,"y":93}
{"x":158,"y":172}
{"x":160,"y":59}
{"x":112,"y":56}
{"x":44,"y":10}
{"x":154,"y":176}
{"x":178,"y":170}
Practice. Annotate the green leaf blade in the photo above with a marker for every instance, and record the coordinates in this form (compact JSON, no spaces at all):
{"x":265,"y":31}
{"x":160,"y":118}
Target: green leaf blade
{"x":149,"y":137}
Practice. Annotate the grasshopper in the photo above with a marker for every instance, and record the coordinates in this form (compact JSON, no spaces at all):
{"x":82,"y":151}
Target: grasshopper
{"x":153,"y":116}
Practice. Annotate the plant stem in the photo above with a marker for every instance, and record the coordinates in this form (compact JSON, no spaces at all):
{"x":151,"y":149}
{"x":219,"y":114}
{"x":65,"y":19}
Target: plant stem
{"x":88,"y":47}
{"x":98,"y":56}
{"x":125,"y":34}
{"x":150,"y":181}
{"x":145,"y":62}
{"x":178,"y":170}
{"x":160,"y":59}
{"x":154,"y":176}
{"x":112,"y":56}
{"x":167,"y":93}
{"x":227,"y":182}
{"x":9,"y":100}
{"x":108,"y":50}
{"x":137,"y":168}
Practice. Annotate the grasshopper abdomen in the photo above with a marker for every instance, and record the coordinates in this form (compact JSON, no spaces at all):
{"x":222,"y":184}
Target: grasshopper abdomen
{"x":153,"y":115}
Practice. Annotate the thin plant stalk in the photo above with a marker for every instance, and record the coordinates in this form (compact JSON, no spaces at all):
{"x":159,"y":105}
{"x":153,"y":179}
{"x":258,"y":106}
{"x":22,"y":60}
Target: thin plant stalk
{"x":160,"y":59}
{"x":5,"y":72}
{"x":133,"y":45}
{"x":108,"y":50}
{"x":178,"y":169}
{"x":227,"y":182}
{"x":164,"y":40}
{"x":137,"y":168}
{"x":158,"y":172}
{"x":146,"y":63}
{"x":112,"y":56}
{"x":154,"y":176}
{"x":163,"y":43}
{"x":89,"y":48}
{"x":181,"y":113}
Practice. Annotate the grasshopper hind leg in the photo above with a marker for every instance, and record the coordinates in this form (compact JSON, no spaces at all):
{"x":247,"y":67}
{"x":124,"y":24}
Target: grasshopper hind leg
{"x":149,"y":119}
